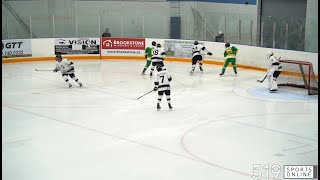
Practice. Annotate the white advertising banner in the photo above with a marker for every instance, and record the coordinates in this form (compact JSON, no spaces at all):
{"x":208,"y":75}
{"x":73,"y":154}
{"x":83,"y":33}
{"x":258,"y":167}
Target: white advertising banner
{"x":178,"y":48}
{"x":77,"y":46}
{"x":16,"y":48}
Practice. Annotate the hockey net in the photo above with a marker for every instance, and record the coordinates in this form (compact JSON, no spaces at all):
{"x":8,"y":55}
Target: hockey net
{"x":298,"y":74}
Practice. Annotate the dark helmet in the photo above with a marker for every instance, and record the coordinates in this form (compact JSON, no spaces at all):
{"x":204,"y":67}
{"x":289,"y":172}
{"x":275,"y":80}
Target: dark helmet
{"x":227,"y":45}
{"x":154,"y":43}
{"x":58,"y":57}
{"x":159,"y":68}
{"x":158,"y":45}
{"x":196,"y":43}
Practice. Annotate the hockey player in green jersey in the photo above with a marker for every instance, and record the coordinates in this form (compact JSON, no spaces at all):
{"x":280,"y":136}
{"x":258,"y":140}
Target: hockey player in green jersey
{"x":148,"y":55}
{"x":230,"y":56}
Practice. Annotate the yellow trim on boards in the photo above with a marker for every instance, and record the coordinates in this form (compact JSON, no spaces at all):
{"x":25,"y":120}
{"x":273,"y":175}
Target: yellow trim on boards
{"x":32,"y":59}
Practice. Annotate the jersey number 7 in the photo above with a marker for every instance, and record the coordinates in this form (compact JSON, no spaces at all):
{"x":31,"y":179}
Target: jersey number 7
{"x":162,"y":78}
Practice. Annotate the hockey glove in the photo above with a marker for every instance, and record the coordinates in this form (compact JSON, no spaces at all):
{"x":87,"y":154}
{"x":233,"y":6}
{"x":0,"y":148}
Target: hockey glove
{"x":55,"y":70}
{"x":209,"y":53}
{"x":145,"y":56}
{"x":155,"y":88}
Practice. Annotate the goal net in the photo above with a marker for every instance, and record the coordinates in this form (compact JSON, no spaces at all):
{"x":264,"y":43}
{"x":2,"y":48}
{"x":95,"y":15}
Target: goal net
{"x":298,"y":74}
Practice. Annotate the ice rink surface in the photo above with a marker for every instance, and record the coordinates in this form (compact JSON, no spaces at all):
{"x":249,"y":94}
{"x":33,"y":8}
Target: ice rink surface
{"x":219,"y":128}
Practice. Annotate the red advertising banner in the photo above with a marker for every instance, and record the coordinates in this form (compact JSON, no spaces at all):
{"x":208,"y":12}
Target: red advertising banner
{"x":123,"y":43}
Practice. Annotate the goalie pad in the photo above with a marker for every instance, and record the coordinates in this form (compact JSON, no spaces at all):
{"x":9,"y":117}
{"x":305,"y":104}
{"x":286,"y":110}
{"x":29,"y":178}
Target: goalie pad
{"x":274,"y":86}
{"x":270,"y":77}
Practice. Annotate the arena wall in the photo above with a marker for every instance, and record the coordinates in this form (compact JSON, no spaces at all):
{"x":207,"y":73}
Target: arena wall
{"x":249,"y":57}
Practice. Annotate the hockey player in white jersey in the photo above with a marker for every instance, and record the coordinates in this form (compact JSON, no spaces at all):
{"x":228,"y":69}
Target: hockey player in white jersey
{"x":66,"y":68}
{"x":157,"y":58}
{"x":197,"y":51}
{"x":273,"y":72}
{"x":162,"y":84}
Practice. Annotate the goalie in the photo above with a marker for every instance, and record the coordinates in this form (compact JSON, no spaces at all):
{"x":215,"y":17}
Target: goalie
{"x":273,"y":72}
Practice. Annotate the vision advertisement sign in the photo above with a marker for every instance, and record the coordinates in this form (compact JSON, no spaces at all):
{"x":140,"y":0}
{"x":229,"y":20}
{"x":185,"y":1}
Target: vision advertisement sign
{"x":77,"y":46}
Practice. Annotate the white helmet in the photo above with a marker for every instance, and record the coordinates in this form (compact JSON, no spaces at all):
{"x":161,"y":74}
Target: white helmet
{"x":269,"y":54}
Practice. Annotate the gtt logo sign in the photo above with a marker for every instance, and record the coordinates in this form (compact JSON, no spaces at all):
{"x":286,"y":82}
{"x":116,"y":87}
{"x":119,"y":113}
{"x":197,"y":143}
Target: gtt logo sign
{"x":11,"y":45}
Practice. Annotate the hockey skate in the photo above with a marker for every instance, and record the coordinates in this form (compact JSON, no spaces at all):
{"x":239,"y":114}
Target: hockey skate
{"x":70,"y":85}
{"x":80,"y":84}
{"x":191,"y":72}
{"x":144,"y":70}
{"x":273,"y":90}
{"x":151,"y":74}
{"x":158,"y":106}
{"x":235,"y":72}
{"x":221,"y":74}
{"x":170,"y":107}
{"x":201,"y":69}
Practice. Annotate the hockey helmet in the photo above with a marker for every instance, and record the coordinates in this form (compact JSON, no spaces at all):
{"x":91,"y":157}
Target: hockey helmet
{"x":227,"y":45}
{"x":269,"y":54}
{"x":154,"y":43}
{"x":159,"y":68}
{"x":220,"y":32}
{"x":58,"y":57}
{"x":196,"y":43}
{"x":158,"y":45}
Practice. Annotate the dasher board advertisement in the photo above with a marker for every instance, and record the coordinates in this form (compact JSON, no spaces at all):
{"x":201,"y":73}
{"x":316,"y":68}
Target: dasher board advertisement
{"x":16,"y":48}
{"x":179,"y":48}
{"x":123,"y":46}
{"x":76,"y":46}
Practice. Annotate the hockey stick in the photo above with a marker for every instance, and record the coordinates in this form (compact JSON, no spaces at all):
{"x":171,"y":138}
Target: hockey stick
{"x":42,"y":70}
{"x":260,"y":81}
{"x":145,"y":94}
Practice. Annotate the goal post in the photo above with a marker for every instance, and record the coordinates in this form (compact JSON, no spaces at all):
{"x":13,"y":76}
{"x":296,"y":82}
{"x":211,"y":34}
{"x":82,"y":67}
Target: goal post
{"x":298,"y":74}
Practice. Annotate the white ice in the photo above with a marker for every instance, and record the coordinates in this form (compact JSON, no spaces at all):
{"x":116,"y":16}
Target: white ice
{"x":218,"y":129}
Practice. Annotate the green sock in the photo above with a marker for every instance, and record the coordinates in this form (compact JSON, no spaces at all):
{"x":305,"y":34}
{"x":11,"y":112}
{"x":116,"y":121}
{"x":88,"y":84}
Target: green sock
{"x":235,"y":68}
